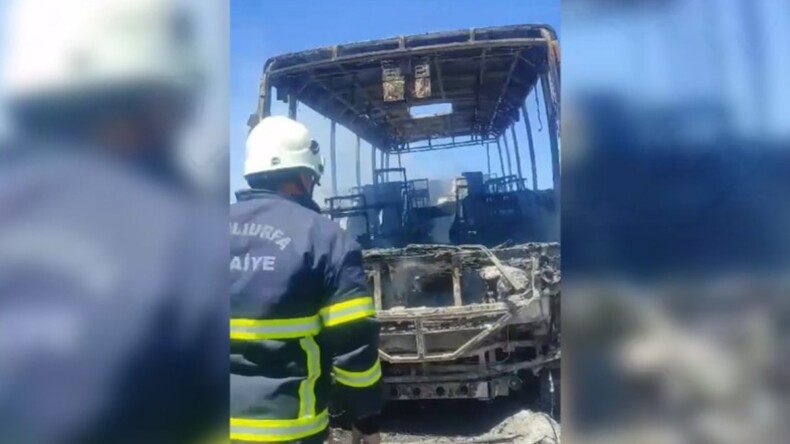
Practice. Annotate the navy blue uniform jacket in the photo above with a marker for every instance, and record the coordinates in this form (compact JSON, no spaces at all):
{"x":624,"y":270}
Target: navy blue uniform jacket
{"x":301,"y":317}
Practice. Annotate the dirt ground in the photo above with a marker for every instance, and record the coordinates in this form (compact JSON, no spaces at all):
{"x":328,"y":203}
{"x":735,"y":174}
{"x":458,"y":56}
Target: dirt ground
{"x":451,"y":422}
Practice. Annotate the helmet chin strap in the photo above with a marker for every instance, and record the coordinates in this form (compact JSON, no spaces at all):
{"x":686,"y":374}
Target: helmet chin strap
{"x":303,"y":189}
{"x":306,"y":198}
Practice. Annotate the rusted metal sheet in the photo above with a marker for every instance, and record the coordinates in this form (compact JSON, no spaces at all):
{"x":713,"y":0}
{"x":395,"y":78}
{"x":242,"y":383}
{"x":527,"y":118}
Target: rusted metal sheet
{"x":392,"y":81}
{"x":422,"y":79}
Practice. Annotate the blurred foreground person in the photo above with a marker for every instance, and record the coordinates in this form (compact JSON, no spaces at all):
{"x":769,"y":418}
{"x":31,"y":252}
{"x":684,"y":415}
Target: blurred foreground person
{"x":300,"y":306}
{"x":111,"y":329}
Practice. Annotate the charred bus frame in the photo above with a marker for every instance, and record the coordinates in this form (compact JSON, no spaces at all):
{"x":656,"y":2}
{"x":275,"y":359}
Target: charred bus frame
{"x":486,"y":74}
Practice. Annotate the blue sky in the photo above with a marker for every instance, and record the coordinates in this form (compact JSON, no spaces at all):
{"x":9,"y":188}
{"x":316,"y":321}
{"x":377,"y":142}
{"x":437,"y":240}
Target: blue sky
{"x":262,"y":29}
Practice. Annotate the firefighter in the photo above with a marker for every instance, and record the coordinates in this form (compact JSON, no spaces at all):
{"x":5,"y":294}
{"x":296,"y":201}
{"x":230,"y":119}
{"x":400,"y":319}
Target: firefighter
{"x":301,"y":312}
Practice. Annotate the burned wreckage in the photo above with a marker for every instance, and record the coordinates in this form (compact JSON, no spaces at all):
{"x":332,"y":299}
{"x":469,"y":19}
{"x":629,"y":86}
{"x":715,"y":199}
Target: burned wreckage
{"x":465,"y":322}
{"x":466,"y":285}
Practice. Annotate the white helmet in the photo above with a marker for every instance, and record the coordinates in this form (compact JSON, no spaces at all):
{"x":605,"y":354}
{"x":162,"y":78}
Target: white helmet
{"x":278,"y":143}
{"x":73,"y":47}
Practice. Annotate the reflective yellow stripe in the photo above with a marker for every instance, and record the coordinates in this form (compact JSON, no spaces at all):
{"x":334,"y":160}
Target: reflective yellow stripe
{"x":347,"y":311}
{"x":256,"y":329}
{"x":358,"y":379}
{"x":304,"y":329}
{"x":277,"y":430}
{"x":307,"y":387}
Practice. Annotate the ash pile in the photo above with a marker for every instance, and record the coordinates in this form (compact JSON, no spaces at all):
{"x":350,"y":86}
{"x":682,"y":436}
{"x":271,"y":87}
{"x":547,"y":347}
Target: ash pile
{"x":496,"y":423}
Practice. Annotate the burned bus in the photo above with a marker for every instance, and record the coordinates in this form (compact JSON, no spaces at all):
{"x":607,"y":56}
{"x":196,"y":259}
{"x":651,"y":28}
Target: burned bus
{"x":466,"y":284}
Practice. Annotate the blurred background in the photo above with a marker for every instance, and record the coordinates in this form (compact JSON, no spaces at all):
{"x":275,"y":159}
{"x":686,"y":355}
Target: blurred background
{"x":113,"y":212}
{"x":203,"y":148}
{"x":675,"y":216}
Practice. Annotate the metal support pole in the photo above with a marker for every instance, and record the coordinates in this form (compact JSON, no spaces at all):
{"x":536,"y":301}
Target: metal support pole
{"x":292,"y":102}
{"x":507,"y":152}
{"x":373,"y":179}
{"x":551,"y":117}
{"x":400,"y":162}
{"x":333,"y":155}
{"x":359,"y":163}
{"x":501,"y":160}
{"x":488,"y":159}
{"x":265,"y":107}
{"x":515,"y":150}
{"x":457,"y":294}
{"x":532,"y":165}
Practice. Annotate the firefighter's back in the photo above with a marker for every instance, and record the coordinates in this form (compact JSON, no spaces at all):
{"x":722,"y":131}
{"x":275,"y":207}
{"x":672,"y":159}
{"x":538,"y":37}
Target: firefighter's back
{"x":277,"y":285}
